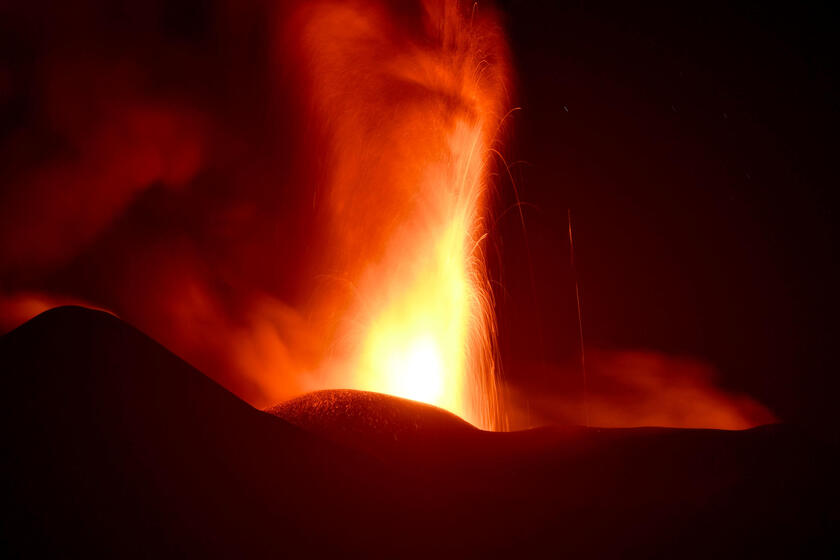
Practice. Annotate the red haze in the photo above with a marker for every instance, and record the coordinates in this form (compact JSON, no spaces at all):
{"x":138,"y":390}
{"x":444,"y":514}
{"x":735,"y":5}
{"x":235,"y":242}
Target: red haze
{"x":638,"y":388}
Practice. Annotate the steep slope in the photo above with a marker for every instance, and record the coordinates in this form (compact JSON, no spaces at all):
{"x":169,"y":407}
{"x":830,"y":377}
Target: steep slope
{"x":115,"y":444}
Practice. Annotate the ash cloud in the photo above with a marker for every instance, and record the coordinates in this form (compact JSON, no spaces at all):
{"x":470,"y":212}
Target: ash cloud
{"x":148,"y":167}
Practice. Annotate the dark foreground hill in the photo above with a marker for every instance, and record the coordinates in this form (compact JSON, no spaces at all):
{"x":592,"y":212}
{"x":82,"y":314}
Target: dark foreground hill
{"x":114,"y":446}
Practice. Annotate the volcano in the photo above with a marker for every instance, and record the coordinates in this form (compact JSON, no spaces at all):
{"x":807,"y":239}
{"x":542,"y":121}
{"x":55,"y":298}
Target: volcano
{"x":116,"y":446}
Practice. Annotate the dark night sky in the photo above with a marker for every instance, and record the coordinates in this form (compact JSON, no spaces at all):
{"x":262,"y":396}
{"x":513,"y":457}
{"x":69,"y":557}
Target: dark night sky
{"x":694,"y":149}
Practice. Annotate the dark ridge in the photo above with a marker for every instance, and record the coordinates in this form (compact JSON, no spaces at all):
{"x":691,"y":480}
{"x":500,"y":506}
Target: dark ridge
{"x":366,"y":411}
{"x":116,"y":447}
{"x":374,"y":422}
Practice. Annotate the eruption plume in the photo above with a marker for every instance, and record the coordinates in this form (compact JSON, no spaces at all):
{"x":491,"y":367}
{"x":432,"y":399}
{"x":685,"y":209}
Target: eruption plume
{"x":153,"y":207}
{"x":409,"y":121}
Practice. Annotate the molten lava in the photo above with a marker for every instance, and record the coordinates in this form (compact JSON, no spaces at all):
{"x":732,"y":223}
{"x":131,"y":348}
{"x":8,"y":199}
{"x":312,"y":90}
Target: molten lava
{"x":409,"y":122}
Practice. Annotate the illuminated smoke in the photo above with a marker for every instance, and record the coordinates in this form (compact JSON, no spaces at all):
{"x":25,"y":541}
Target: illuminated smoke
{"x":636,"y":388}
{"x":313,"y":220}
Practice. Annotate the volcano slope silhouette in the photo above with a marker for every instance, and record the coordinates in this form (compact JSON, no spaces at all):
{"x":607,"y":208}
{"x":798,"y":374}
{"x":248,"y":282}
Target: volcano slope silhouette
{"x":115,"y":446}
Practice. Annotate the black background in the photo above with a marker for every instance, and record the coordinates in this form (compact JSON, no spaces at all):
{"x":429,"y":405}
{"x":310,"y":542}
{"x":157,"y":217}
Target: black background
{"x":694,"y":147}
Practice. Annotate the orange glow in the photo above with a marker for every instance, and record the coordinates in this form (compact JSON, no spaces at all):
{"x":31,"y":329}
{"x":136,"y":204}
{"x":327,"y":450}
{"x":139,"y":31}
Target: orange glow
{"x":414,"y":346}
{"x":633,"y":388}
{"x":410,"y":122}
{"x":19,"y":308}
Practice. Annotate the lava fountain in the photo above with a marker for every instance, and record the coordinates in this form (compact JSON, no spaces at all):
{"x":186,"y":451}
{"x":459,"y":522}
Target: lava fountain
{"x":409,"y":117}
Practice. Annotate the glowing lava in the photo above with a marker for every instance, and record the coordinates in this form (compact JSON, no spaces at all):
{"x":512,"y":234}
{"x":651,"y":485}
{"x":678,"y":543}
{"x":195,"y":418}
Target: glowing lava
{"x":410,"y":116}
{"x":415,"y":344}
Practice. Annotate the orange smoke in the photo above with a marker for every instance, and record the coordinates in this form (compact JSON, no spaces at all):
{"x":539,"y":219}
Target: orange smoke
{"x":333,"y":240}
{"x":409,"y":116}
{"x":639,"y":388}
